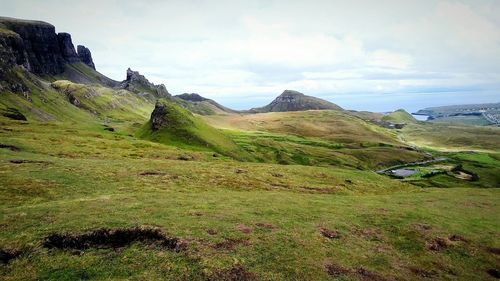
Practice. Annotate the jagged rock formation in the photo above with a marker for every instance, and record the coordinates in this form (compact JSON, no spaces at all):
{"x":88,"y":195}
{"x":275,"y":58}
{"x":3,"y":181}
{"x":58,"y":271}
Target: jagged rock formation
{"x":138,"y":84}
{"x":85,"y":56}
{"x":291,"y":100}
{"x":67,"y":48}
{"x":37,"y":47}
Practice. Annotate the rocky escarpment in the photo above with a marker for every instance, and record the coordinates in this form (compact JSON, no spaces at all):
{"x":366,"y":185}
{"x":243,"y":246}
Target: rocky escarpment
{"x":138,"y":84}
{"x":85,"y":56}
{"x":36,"y":47}
{"x":291,"y":100}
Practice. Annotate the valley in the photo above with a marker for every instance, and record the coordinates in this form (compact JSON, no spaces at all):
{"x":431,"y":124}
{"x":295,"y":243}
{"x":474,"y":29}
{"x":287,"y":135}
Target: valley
{"x":101,"y":179}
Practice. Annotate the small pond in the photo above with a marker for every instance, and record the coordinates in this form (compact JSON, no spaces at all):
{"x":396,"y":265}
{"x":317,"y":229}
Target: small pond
{"x":402,"y":172}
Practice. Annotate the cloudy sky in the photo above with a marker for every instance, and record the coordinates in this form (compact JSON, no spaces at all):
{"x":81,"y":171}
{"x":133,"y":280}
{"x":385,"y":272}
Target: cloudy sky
{"x":372,"y":55}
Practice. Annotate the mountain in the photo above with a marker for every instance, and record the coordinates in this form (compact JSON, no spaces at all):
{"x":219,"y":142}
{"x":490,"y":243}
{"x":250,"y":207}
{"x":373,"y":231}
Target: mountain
{"x":399,"y":116}
{"x":470,"y":114}
{"x":200,"y":105}
{"x":291,"y":100}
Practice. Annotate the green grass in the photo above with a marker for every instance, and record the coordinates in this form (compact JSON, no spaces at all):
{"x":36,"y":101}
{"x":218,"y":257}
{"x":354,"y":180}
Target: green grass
{"x":183,"y":129}
{"x":399,"y":116}
{"x":93,"y":178}
{"x":65,"y":171}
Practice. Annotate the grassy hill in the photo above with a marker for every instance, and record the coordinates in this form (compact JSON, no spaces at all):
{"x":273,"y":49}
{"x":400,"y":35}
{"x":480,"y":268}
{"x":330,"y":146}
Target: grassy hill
{"x":399,"y":116}
{"x":179,"y":127}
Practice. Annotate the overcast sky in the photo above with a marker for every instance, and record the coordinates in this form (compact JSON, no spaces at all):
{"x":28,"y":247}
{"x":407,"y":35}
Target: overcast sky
{"x":374,"y":55}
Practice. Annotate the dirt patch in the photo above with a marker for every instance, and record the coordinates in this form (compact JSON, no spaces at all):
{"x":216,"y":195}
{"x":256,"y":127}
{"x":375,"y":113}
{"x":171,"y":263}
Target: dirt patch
{"x":112,"y":238}
{"x":365,"y":274}
{"x":265,"y":225}
{"x":244,"y":229}
{"x":330,"y":234}
{"x":336,"y":271}
{"x":11,"y":147}
{"x":369,"y":233}
{"x":438,"y":244}
{"x":457,"y":238}
{"x":422,"y":227}
{"x":494,"y":273}
{"x":229,"y":244}
{"x":495,"y":251}
{"x":6,"y":255}
{"x":151,"y":173}
{"x":235,"y":273}
{"x":212,"y":231}
{"x":422,"y":273}
{"x":184,"y":158}
{"x":21,"y":161}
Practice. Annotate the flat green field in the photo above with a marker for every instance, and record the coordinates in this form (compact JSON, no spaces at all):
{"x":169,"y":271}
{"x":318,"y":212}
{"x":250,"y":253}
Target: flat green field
{"x":231,"y":220}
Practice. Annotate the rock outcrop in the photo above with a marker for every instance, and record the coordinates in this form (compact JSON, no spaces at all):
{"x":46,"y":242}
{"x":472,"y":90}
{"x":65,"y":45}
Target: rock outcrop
{"x":291,"y":100}
{"x":85,"y":56}
{"x":37,"y":47}
{"x":138,"y":84}
{"x":66,"y":46}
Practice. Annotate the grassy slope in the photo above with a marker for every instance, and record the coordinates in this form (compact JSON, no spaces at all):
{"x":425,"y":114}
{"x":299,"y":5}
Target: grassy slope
{"x":92,"y":178}
{"x":183,"y":129}
{"x":315,"y":138}
{"x":450,"y":137}
{"x":399,"y":116}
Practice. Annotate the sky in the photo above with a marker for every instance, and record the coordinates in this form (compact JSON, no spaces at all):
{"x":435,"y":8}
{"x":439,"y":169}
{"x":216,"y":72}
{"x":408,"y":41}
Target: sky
{"x":361,"y":54}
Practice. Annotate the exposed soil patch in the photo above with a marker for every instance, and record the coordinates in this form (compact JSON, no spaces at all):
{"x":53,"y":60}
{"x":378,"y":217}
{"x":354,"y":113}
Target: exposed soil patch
{"x":229,"y":244}
{"x":494,"y":273}
{"x":423,"y":273}
{"x":22,"y":161}
{"x":336,"y":270}
{"x":184,"y":158}
{"x":438,"y":244}
{"x":495,"y":251}
{"x":212,"y":231}
{"x":330,"y":234}
{"x":244,"y":229}
{"x":11,"y":147}
{"x":151,"y":173}
{"x":112,"y":238}
{"x":457,"y":238}
{"x":368,"y":233}
{"x":235,"y":273}
{"x":6,"y":255}
{"x":365,"y":274}
{"x":265,"y":225}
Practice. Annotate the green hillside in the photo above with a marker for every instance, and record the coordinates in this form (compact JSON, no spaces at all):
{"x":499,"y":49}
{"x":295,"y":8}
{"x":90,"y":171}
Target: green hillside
{"x":179,"y":127}
{"x":399,"y":116}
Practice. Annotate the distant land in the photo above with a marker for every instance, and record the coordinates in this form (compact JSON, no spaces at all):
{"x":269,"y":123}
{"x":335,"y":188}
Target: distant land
{"x":471,"y":114}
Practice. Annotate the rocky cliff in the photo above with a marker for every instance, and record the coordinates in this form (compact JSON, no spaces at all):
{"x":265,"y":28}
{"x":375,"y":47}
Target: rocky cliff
{"x":37,"y":47}
{"x":291,"y":100}
{"x":137,"y":83}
